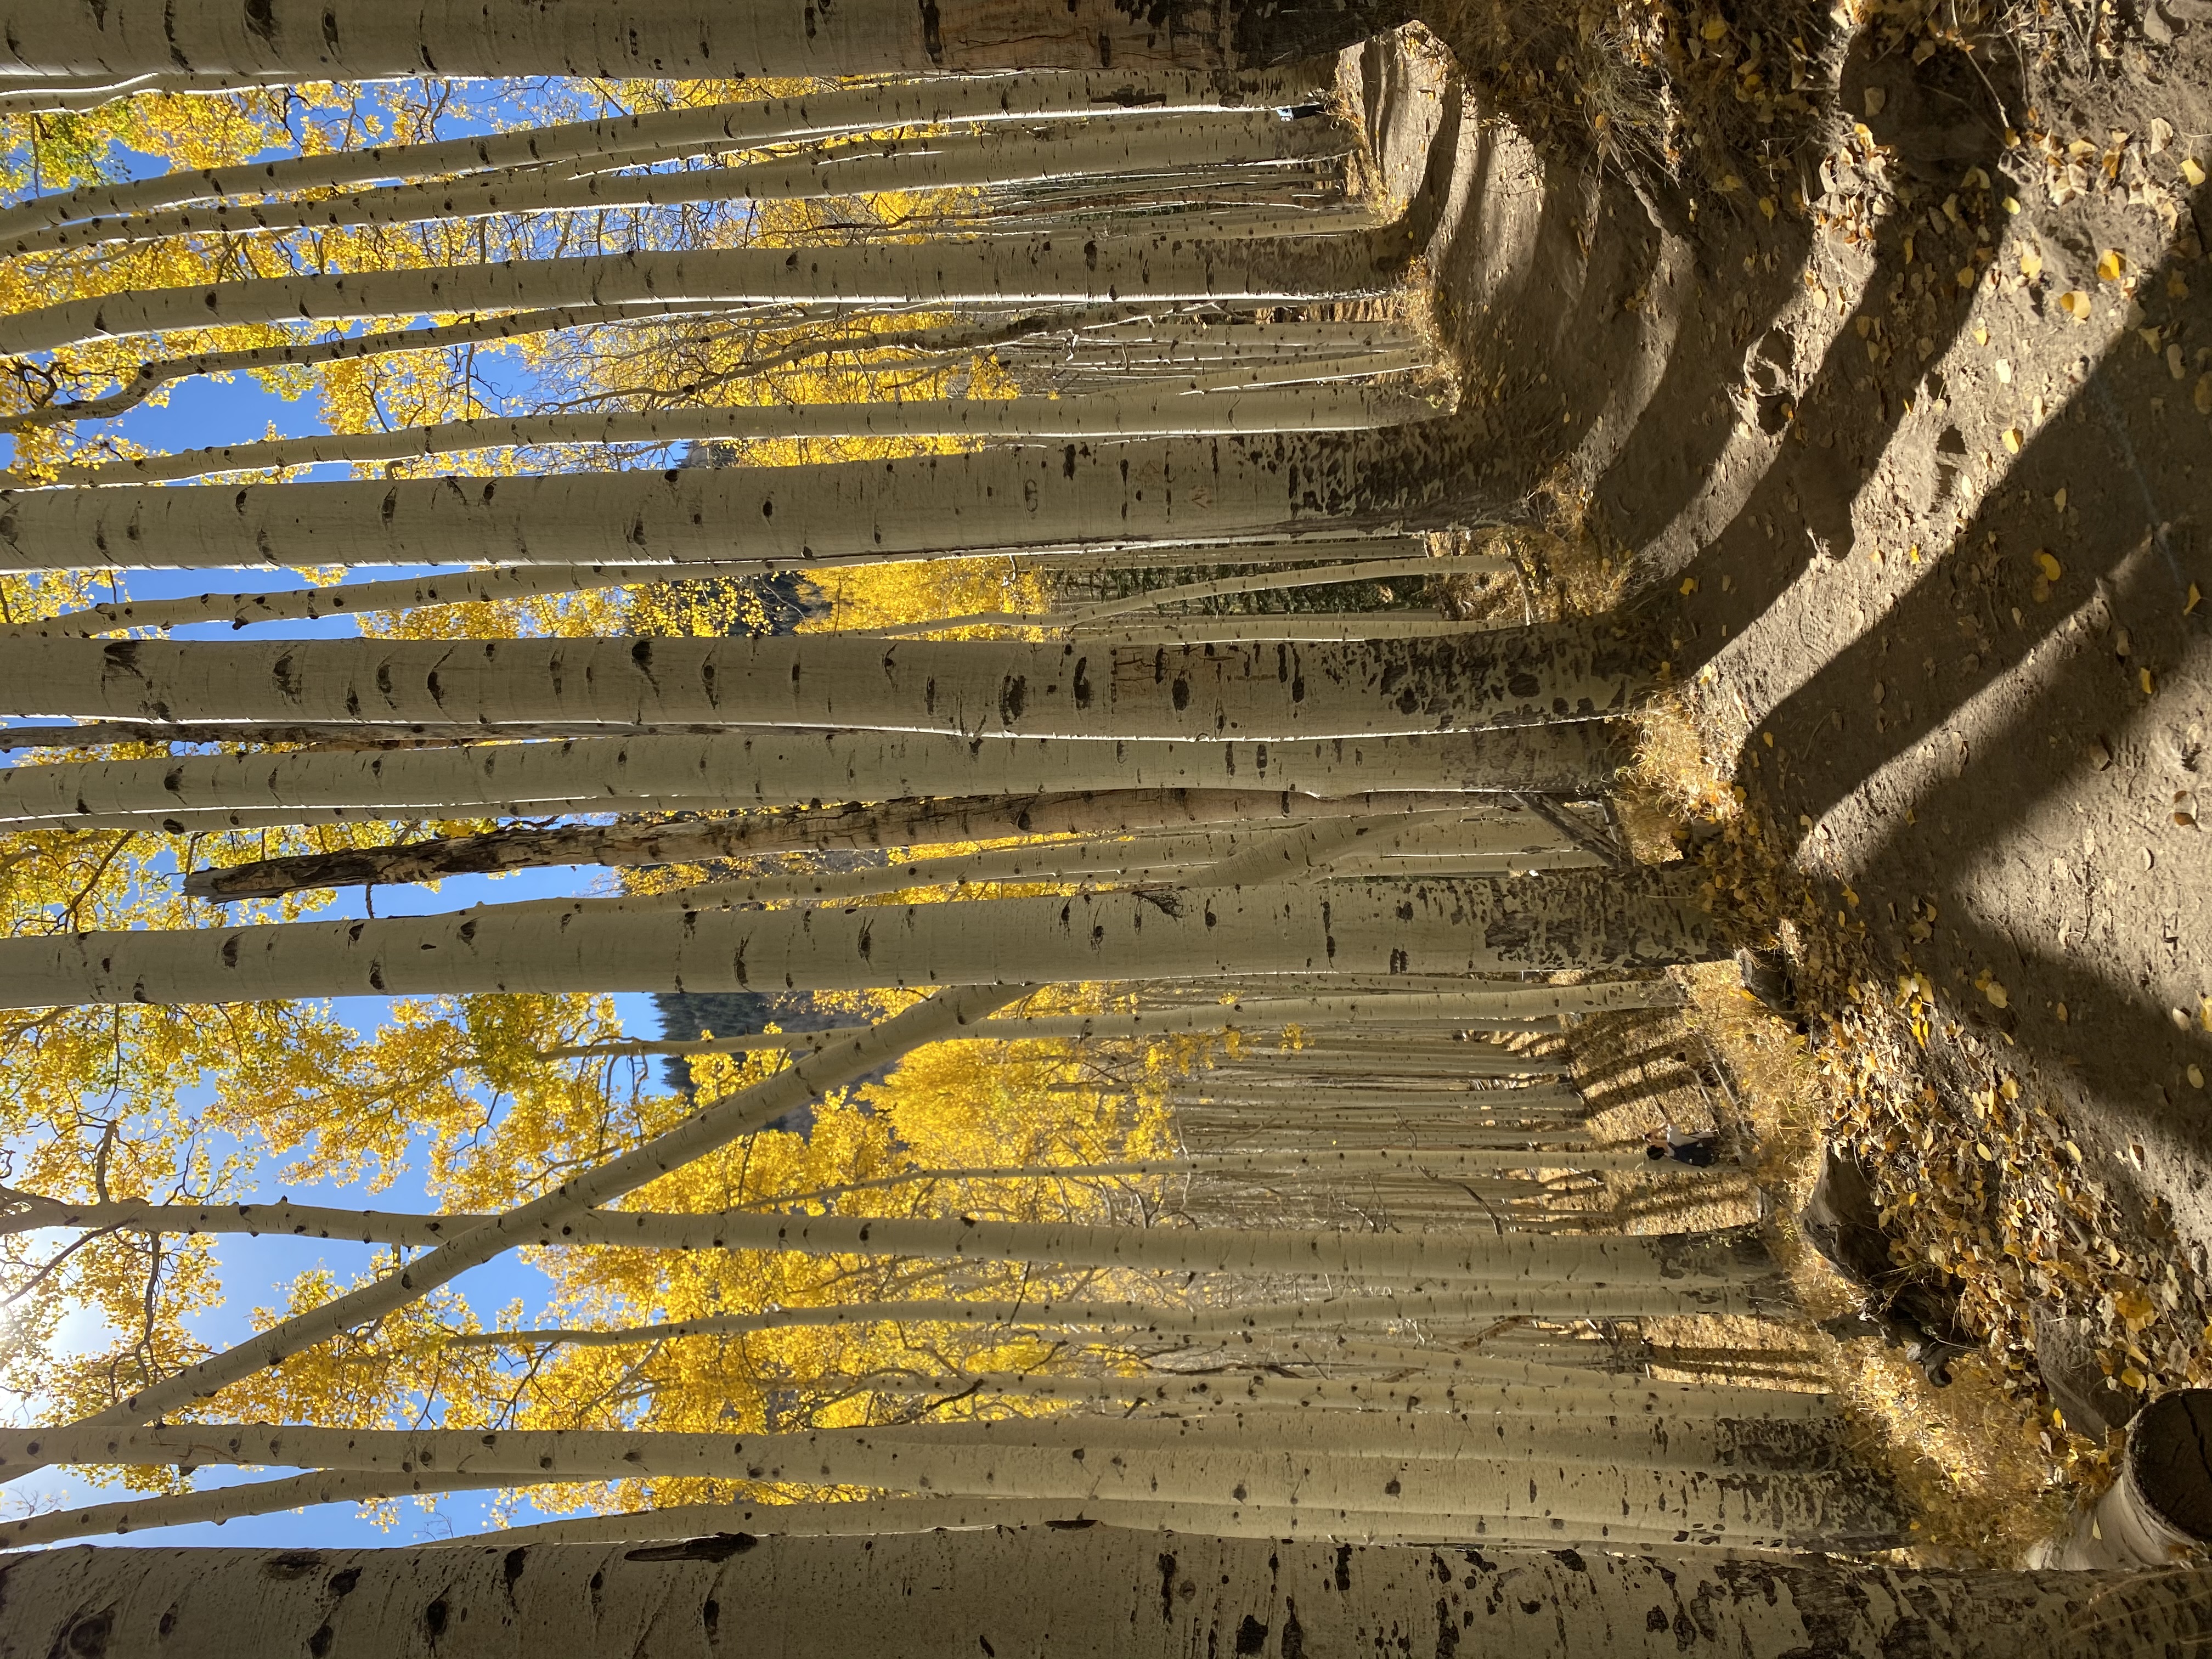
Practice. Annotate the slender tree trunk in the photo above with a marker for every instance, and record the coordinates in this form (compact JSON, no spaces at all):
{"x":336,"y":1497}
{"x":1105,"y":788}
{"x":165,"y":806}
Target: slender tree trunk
{"x":661,"y":134}
{"x":1562,"y":1431}
{"x":1686,"y":1263}
{"x":1642,"y":919}
{"x":1018,"y":497}
{"x":993,"y":155}
{"x":894,"y":823}
{"x":1144,"y":411}
{"x":1594,"y":1395}
{"x":349,"y":39}
{"x":1105,"y":1592}
{"x":1215,"y":858}
{"x":989,"y":272}
{"x":1572,"y":1474}
{"x":971,"y":688}
{"x":1390,"y":1014}
{"x":744,"y":770}
{"x":363,"y":598}
{"x":466,"y":587}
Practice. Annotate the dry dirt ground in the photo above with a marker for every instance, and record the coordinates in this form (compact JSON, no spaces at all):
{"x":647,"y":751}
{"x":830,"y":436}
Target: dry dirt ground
{"x":1864,"y":357}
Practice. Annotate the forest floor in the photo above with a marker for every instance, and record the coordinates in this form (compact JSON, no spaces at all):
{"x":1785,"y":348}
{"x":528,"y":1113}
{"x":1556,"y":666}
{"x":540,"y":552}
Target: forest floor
{"x":1865,"y":356}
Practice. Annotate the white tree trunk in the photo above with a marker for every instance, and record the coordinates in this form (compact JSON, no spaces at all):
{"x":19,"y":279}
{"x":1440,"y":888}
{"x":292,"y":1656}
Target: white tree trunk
{"x":1102,"y":1591}
{"x":1108,"y":813}
{"x":1413,"y":1260}
{"x":744,"y":770}
{"x":990,"y":154}
{"x":1595,"y":1394}
{"x":351,"y":40}
{"x":366,"y":599}
{"x":1157,"y":411}
{"x":1453,"y":1009}
{"x":1253,"y":583}
{"x":802,"y":1084}
{"x":660,"y":135}
{"x":1310,"y":1331}
{"x":1644,"y":919}
{"x":990,"y":270}
{"x":1075,"y":496}
{"x":971,"y":688}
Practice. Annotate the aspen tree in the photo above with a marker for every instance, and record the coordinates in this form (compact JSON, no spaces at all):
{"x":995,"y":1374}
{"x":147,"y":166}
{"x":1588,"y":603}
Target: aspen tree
{"x":347,"y":40}
{"x":1430,"y":1260}
{"x":1408,"y":1011}
{"x":893,"y":823}
{"x":1641,"y":919}
{"x":973,"y":688}
{"x":1018,"y":269}
{"x":1195,"y":410}
{"x":1111,"y":1592}
{"x":661,"y":134}
{"x":792,"y":769}
{"x":1024,"y":496}
{"x":1169,"y":412}
{"x":364,"y":598}
{"x":987,"y":154}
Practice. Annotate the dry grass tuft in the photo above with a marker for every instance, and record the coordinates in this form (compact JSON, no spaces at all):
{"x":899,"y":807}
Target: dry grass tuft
{"x":1965,"y":1458}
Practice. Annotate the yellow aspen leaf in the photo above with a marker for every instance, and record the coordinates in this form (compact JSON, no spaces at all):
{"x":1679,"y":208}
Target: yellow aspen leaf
{"x":1997,"y":994}
{"x":2075,"y":304}
{"x":2031,"y":263}
{"x":2012,"y":438}
{"x":2192,"y":171}
{"x":1689,"y":585}
{"x":2112,"y":265}
{"x":2150,"y":685}
{"x":2051,"y":569}
{"x":1715,"y":28}
{"x":2202,"y":395}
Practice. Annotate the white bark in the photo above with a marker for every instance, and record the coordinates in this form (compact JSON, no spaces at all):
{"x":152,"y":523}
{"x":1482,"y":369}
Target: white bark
{"x":1250,"y":582}
{"x":928,"y":821}
{"x":1105,"y":1591}
{"x":1075,"y":495}
{"x":802,"y":1084}
{"x":989,"y":155}
{"x":1217,"y":858}
{"x":1265,"y":1460}
{"x":743,"y":770}
{"x":1452,"y":1009}
{"x":1153,"y":410}
{"x":990,"y":270}
{"x":1015,"y":689}
{"x":1595,"y":1394}
{"x":1318,"y":1323}
{"x":366,"y":599}
{"x":657,"y":135}
{"x":1640,"y":920}
{"x":1538,"y":1429}
{"x":1413,"y":1260}
{"x":344,"y":39}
